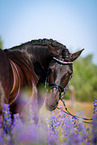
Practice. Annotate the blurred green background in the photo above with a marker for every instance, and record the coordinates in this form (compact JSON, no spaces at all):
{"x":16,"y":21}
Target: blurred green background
{"x":84,"y":79}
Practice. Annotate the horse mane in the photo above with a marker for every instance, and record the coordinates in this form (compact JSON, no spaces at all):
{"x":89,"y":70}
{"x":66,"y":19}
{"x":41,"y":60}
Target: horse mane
{"x":41,"y":42}
{"x":39,"y":48}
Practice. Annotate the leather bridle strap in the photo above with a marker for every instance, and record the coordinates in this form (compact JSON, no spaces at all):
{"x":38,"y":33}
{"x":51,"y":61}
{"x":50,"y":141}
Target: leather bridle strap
{"x":59,"y":87}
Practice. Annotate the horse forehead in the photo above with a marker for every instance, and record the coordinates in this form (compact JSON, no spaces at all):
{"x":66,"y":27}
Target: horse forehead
{"x":63,"y":68}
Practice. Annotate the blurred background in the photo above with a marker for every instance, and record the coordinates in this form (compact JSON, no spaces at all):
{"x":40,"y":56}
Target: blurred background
{"x":70,"y":22}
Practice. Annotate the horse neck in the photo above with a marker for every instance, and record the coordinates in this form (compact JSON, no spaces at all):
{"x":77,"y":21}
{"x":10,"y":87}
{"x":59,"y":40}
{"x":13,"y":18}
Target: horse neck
{"x":40,"y":54}
{"x":33,"y":59}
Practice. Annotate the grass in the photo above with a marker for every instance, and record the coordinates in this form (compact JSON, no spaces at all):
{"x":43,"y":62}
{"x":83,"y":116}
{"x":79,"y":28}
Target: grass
{"x":82,"y":109}
{"x":86,"y":108}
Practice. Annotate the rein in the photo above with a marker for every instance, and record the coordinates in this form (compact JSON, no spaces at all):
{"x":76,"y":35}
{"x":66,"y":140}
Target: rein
{"x":61,"y":89}
{"x":85,"y":120}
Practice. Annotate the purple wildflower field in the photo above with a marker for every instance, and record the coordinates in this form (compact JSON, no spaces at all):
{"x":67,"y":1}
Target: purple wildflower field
{"x":57,"y":129}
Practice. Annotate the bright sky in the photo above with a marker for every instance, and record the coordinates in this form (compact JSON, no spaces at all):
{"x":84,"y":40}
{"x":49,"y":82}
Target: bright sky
{"x":71,"y":22}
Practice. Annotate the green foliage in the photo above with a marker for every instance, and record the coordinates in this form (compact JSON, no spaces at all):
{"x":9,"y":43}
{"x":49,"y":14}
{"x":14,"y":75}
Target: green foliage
{"x":84,"y":79}
{"x":1,"y":43}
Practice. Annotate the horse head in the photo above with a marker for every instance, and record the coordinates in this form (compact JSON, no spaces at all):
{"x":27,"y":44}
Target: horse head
{"x":61,"y":69}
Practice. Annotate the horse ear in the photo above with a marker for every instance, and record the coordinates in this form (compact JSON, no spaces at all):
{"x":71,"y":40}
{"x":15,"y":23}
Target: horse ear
{"x":52,"y":49}
{"x":75,"y":55}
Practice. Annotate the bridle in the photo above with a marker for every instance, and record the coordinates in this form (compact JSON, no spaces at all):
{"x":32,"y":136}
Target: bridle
{"x":61,"y":90}
{"x":59,"y":87}
{"x":53,"y":85}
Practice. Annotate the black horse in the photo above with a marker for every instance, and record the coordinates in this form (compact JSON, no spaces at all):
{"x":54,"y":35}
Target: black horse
{"x":31,"y":64}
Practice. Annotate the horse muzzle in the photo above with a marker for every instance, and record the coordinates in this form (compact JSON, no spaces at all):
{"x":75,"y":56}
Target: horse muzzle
{"x":52,"y":99}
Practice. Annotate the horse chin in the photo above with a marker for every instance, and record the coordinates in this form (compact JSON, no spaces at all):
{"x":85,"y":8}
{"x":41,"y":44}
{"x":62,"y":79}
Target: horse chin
{"x":51,"y":101}
{"x":51,"y":108}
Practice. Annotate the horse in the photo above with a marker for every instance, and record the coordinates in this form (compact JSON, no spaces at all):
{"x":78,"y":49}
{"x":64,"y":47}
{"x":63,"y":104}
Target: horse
{"x":31,"y":64}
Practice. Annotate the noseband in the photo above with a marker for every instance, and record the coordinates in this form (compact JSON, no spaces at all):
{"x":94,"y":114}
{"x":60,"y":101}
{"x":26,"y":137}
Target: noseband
{"x":60,"y":88}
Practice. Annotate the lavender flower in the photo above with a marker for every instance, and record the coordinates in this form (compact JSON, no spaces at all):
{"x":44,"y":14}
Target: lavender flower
{"x":75,"y":122}
{"x":2,"y":141}
{"x":58,"y":129}
{"x":7,"y":118}
{"x":7,"y":125}
{"x":94,"y":129}
{"x":74,"y":139}
{"x":16,"y":119}
{"x":95,"y":106}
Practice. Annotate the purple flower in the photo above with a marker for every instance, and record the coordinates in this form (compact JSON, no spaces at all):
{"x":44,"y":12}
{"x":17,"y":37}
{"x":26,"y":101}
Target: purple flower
{"x":58,"y":129}
{"x":94,"y":128}
{"x":95,"y":106}
{"x":2,"y":141}
{"x":7,"y":118}
{"x":75,"y":122}
{"x":74,"y":139}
